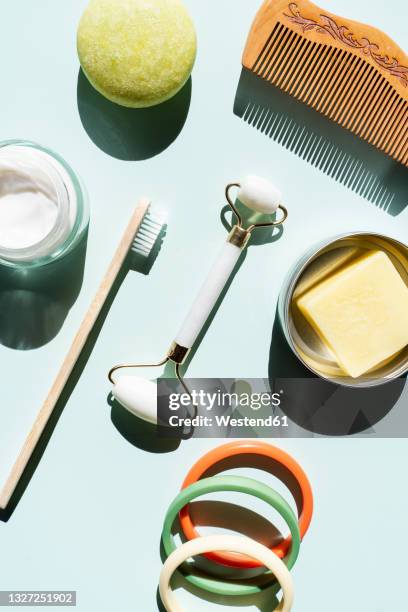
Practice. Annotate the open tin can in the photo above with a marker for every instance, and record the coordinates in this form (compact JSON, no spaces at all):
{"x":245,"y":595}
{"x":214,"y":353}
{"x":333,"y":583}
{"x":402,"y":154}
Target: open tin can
{"x":316,"y":265}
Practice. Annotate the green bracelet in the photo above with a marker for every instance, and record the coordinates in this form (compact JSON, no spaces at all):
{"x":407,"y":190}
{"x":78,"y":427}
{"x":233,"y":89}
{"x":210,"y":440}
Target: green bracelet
{"x":240,"y":484}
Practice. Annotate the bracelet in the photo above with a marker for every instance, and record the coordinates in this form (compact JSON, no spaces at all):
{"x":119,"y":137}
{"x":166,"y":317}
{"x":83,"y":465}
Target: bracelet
{"x":240,"y":484}
{"x":237,"y":544}
{"x":243,"y":454}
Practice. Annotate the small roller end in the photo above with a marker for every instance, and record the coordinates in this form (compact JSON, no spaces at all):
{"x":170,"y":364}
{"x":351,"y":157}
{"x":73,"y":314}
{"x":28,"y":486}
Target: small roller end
{"x":260,"y":195}
{"x":138,"y":396}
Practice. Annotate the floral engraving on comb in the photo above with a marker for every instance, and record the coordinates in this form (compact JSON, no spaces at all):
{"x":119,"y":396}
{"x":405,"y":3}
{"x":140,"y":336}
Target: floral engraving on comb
{"x":343,"y":34}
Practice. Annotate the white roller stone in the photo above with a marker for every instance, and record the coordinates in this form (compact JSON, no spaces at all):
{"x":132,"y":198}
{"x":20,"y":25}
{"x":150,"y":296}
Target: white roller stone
{"x":260,"y":195}
{"x":137,"y":395}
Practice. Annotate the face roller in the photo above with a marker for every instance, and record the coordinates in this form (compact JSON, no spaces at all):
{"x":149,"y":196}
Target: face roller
{"x":138,"y":395}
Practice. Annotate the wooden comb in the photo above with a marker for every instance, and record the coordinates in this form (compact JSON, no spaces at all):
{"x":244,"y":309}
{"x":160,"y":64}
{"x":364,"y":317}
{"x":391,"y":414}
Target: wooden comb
{"x":350,"y":72}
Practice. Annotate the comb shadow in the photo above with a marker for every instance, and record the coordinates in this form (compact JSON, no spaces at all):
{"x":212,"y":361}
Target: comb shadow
{"x":324,"y":144}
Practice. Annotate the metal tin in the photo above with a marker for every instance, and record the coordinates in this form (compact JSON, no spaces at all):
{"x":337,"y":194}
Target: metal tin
{"x":320,"y":261}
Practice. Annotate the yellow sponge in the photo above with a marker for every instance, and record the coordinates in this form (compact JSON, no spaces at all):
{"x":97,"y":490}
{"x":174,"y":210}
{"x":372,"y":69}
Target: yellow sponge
{"x":137,"y":53}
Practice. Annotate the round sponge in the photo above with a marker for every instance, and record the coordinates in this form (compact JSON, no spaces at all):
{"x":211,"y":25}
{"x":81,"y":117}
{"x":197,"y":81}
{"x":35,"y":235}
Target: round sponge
{"x":137,"y":53}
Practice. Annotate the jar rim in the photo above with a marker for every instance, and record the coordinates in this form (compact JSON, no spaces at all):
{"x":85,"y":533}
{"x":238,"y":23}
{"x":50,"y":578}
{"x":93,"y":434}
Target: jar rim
{"x":58,"y":229}
{"x":71,"y":189}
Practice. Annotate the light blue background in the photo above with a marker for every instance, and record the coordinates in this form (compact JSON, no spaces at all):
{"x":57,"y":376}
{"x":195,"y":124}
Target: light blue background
{"x":91,"y":517}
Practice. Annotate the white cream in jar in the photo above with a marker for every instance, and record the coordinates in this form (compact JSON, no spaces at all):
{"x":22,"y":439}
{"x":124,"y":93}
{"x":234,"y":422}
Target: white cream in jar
{"x":42,"y":208}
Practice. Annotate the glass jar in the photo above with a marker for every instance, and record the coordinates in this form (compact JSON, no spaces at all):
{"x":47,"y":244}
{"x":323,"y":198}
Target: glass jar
{"x":44,"y":209}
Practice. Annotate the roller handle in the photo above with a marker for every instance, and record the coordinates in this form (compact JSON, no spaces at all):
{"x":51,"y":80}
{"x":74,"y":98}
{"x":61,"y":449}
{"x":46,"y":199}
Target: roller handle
{"x":208,"y":295}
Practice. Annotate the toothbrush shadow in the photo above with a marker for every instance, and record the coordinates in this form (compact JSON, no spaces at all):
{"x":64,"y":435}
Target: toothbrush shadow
{"x":323,"y":143}
{"x":131,"y":134}
{"x":133,"y":263}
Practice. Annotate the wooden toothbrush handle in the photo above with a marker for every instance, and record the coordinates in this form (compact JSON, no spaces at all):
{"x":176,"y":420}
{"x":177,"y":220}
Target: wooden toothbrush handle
{"x":74,"y":352}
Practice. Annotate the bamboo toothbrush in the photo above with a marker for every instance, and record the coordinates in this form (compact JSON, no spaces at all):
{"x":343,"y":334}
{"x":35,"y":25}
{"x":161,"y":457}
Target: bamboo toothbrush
{"x":140,"y":237}
{"x":352,"y":73}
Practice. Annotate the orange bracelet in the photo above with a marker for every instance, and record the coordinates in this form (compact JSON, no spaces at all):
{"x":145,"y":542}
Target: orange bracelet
{"x":245,"y":454}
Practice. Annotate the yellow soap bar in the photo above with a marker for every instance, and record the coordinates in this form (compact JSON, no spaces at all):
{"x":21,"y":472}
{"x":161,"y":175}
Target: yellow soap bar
{"x":361,"y":313}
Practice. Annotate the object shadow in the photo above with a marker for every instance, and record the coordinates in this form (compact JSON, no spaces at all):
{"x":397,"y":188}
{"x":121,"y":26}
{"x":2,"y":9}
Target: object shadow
{"x":131,"y":134}
{"x":139,"y":433}
{"x":267,"y":465}
{"x":265,"y":601}
{"x":34,"y":303}
{"x":133,"y":263}
{"x":321,"y":407}
{"x":323,"y":143}
{"x":228,"y":516}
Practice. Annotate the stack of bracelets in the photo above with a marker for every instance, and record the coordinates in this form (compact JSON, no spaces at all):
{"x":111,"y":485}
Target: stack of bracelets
{"x":237,"y":552}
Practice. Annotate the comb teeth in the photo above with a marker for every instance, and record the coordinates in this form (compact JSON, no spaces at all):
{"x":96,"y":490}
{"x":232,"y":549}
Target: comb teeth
{"x":339,"y":84}
{"x":322,"y":154}
{"x":338,"y":153}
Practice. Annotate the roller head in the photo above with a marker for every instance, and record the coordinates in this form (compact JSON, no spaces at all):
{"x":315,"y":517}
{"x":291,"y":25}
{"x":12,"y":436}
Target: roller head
{"x":260,"y":195}
{"x":137,"y":395}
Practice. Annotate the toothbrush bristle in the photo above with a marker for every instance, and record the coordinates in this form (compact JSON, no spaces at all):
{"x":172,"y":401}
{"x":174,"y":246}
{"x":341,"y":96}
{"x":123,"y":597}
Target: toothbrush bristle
{"x":149,"y":233}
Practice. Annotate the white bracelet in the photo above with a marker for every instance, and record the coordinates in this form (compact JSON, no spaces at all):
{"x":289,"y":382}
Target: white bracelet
{"x":238,"y":544}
